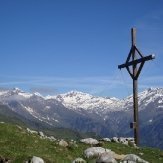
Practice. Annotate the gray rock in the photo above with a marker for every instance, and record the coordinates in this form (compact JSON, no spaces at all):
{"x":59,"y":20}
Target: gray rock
{"x":63,"y":143}
{"x":51,"y":138}
{"x":31,"y":131}
{"x":123,"y":141}
{"x":20,"y":128}
{"x":141,"y":153}
{"x":37,"y":160}
{"x":128,"y":162}
{"x":130,"y":139}
{"x":90,"y":141}
{"x":106,"y":139}
{"x":72,"y":144}
{"x":79,"y":160}
{"x":133,"y":158}
{"x":41,"y":134}
{"x":4,"y":160}
{"x":119,"y":156}
{"x":132,"y":143}
{"x":115,"y":139}
{"x":106,"y":158}
{"x":95,"y":152}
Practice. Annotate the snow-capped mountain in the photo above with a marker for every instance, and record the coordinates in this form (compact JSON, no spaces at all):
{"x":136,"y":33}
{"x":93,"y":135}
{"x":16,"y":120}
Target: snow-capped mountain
{"x":84,"y":112}
{"x":75,"y":100}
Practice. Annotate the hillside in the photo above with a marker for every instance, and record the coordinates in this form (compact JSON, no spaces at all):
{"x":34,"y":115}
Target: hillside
{"x":11,"y":117}
{"x":18,"y":145}
{"x":84,"y":113}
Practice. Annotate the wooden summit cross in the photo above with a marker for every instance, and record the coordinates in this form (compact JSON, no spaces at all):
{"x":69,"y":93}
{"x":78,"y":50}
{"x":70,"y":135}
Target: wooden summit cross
{"x":134,"y":65}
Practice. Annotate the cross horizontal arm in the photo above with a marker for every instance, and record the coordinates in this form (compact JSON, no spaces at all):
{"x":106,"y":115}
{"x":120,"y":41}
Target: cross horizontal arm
{"x":143,"y":59}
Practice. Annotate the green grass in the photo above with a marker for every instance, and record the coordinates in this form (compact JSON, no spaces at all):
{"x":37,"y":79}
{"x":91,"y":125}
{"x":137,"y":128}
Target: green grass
{"x":19,"y":146}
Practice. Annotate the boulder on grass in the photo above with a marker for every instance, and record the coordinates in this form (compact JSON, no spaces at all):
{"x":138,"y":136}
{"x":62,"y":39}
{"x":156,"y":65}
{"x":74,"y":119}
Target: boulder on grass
{"x":90,"y":141}
{"x":106,"y":158}
{"x":31,"y":131}
{"x":51,"y":138}
{"x":106,"y":139}
{"x":36,"y":160}
{"x":63,"y":143}
{"x":95,"y":152}
{"x":115,"y":139}
{"x":133,"y":158}
{"x":41,"y":134}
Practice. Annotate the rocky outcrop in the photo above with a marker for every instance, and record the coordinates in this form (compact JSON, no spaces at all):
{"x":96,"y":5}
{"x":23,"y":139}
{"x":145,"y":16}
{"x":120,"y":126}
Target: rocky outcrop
{"x":41,"y":134}
{"x":125,"y":141}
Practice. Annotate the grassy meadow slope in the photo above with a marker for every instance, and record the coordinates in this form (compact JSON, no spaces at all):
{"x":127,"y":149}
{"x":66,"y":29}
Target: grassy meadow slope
{"x":18,"y":145}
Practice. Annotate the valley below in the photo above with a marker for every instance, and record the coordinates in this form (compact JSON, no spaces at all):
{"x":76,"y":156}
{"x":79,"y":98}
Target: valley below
{"x":81,"y":115}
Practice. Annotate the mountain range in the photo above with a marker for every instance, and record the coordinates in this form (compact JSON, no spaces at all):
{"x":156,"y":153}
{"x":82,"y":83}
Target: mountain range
{"x":82,"y":112}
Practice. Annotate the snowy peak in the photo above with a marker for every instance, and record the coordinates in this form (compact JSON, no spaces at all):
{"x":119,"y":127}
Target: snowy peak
{"x":148,"y":96}
{"x":152,"y":95}
{"x":16,"y":92}
{"x":19,"y":92}
{"x":12,"y":91}
{"x":76,"y":95}
{"x":37,"y":94}
{"x":75,"y":100}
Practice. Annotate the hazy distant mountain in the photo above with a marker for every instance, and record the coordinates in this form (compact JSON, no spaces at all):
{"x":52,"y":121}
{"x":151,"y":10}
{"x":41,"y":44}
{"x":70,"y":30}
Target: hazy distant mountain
{"x":83,"y":112}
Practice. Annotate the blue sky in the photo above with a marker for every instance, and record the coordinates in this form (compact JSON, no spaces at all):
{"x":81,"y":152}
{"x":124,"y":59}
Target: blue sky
{"x":54,"y":46}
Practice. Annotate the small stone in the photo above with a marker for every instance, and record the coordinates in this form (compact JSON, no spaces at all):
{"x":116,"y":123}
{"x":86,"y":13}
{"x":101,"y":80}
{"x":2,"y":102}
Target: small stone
{"x":31,"y":131}
{"x":63,"y":143}
{"x":115,"y":139}
{"x":19,"y":127}
{"x":90,"y":141}
{"x":51,"y":138}
{"x":79,"y":160}
{"x":4,"y":160}
{"x":41,"y":134}
{"x":106,"y":139}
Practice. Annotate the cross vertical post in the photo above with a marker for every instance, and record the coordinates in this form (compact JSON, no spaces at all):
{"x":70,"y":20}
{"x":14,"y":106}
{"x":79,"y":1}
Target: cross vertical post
{"x":135,"y":89}
{"x":136,"y":60}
